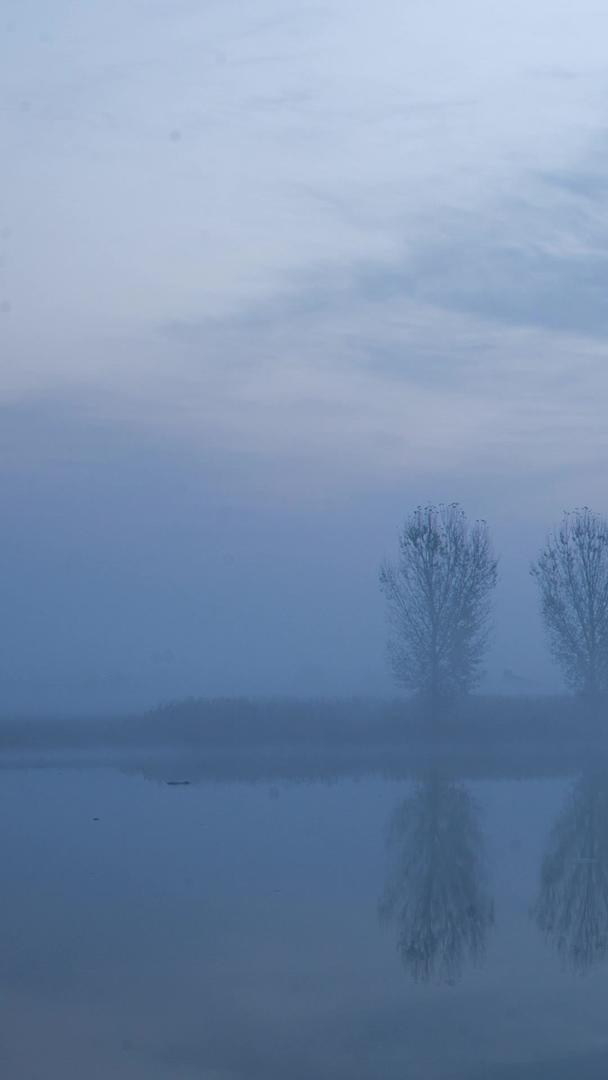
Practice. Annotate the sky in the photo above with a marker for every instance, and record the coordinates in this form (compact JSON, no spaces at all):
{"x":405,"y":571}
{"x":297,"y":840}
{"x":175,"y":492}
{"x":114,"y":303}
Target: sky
{"x":271,"y":274}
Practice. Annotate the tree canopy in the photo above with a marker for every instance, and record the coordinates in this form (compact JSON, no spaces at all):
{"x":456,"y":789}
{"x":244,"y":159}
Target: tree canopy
{"x":572,"y":575}
{"x":438,"y":593}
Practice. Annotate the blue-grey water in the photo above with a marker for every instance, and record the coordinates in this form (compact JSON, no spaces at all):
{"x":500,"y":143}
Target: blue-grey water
{"x":229,"y":931}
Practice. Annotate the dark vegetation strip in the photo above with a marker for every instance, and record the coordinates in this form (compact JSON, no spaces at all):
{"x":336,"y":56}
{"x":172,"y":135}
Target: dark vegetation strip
{"x":309,"y":740}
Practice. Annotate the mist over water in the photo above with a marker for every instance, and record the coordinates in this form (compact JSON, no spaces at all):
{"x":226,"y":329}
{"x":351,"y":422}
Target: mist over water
{"x":441,"y":925}
{"x":304,"y":544}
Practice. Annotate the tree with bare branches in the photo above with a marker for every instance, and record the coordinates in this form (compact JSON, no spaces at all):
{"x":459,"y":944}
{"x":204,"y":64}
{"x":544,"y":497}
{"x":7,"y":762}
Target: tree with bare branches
{"x":572,"y":575}
{"x":438,"y":594}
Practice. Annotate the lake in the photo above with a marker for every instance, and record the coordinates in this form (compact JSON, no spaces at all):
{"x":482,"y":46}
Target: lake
{"x":426,"y":928}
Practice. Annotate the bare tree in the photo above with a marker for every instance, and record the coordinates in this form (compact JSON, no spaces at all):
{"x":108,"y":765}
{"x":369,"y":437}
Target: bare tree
{"x":438,"y":595}
{"x":436,"y":891}
{"x":572,"y":575}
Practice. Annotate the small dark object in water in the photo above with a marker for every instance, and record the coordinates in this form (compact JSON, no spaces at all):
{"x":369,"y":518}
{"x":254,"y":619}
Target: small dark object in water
{"x":177,"y":783}
{"x":95,"y":819}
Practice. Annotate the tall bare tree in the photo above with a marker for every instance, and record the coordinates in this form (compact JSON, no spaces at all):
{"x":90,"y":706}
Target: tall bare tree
{"x":438,"y":595}
{"x":572,"y":575}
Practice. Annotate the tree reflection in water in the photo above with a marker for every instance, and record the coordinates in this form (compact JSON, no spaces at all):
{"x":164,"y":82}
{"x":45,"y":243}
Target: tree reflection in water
{"x":572,"y":905}
{"x":436,"y":891}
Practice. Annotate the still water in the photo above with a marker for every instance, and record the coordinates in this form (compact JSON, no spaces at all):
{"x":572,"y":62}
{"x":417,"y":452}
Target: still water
{"x":368,"y":928}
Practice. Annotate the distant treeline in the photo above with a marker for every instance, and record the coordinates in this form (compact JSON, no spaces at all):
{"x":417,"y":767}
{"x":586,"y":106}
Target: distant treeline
{"x":340,"y":722}
{"x":240,"y":723}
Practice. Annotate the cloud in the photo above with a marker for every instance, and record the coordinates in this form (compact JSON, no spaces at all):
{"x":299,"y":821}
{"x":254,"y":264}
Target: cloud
{"x":309,"y":136}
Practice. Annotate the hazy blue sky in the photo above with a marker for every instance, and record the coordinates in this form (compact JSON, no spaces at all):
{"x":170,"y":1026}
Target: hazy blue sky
{"x":270,"y":274}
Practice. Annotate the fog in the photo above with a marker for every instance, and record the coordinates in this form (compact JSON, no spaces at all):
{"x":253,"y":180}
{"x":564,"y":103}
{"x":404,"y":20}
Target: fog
{"x":304,"y":539}
{"x":133,"y":576}
{"x":270,"y":276}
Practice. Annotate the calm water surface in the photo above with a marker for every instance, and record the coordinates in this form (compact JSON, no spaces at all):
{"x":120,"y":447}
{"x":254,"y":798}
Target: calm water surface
{"x":360,"y":929}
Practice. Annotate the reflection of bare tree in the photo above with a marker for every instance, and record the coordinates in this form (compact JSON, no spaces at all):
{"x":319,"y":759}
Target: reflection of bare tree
{"x":572,"y":906}
{"x":436,"y":892}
